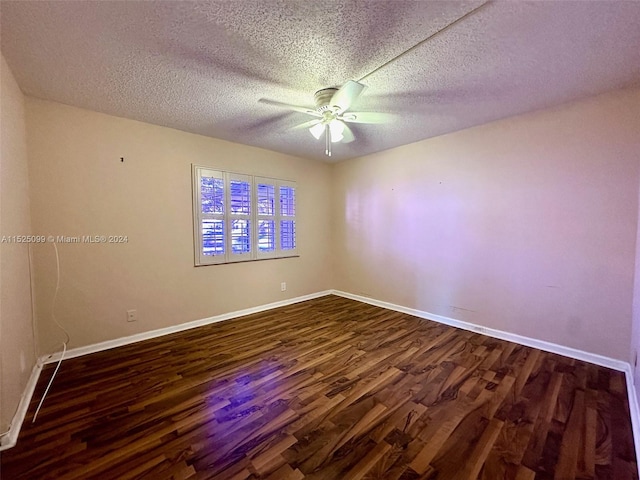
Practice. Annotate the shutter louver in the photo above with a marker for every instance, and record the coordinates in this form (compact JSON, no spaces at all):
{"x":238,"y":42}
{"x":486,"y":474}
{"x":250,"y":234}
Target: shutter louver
{"x":266,"y":201}
{"x":239,"y":218}
{"x":288,"y":221}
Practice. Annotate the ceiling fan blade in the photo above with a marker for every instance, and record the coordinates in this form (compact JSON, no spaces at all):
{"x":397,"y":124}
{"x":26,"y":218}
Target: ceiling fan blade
{"x":366,"y":117}
{"x":295,"y":108}
{"x":308,"y":124}
{"x":347,"y":135}
{"x":346,"y":95}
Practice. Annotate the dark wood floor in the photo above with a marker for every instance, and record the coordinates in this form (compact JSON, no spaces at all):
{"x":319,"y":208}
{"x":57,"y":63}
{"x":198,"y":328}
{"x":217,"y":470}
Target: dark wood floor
{"x":327,"y":389}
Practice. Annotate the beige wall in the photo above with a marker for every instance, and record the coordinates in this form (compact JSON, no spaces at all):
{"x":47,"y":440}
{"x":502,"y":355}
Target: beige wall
{"x":80,"y":187}
{"x":526,"y":225}
{"x":17,"y":345}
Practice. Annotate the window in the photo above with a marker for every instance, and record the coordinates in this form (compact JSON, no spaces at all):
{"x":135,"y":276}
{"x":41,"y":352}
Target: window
{"x":240,"y":217}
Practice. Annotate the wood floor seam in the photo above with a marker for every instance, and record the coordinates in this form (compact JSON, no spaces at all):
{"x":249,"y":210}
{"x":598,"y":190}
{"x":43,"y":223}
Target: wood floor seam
{"x":329,"y":388}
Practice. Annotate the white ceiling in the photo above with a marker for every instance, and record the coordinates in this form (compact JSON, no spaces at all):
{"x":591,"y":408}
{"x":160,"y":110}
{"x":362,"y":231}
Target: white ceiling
{"x":202,"y":66}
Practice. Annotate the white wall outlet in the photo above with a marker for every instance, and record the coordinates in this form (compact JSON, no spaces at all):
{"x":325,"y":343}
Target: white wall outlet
{"x":283,"y":286}
{"x":132,"y":315}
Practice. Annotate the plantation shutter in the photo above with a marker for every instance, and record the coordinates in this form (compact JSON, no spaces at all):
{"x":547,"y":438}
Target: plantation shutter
{"x":239,"y":217}
{"x":266,"y":217}
{"x":210,"y":214}
{"x":287,"y":218}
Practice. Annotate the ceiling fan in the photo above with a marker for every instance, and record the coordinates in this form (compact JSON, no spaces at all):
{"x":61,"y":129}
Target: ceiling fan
{"x":330,"y":112}
{"x":331,"y":116}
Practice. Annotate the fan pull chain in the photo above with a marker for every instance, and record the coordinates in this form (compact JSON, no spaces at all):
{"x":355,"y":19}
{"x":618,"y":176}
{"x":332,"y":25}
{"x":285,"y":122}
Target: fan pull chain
{"x":327,"y":137}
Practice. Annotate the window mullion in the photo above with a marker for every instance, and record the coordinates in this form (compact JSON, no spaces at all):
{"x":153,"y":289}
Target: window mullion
{"x":222,"y":198}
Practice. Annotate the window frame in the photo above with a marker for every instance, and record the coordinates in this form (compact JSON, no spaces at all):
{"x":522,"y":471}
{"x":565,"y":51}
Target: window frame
{"x":200,"y":259}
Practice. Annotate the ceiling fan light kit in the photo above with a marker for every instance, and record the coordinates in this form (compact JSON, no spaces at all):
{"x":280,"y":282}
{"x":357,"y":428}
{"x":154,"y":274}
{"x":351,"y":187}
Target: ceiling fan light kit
{"x":330,"y":108}
{"x":336,"y":127}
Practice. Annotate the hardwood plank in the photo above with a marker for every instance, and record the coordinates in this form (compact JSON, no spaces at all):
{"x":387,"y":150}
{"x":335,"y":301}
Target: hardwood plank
{"x":368,"y":462}
{"x":543,"y":423}
{"x":477,"y":458}
{"x":263,"y":459}
{"x":524,"y":473}
{"x":327,"y":389}
{"x":571,"y":440}
{"x":286,"y":473}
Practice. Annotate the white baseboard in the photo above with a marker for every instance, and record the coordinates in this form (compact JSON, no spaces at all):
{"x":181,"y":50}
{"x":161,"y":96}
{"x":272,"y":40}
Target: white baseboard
{"x":139,"y":337}
{"x":603,"y":361}
{"x":490,"y":332}
{"x":634,"y":411}
{"x":9,"y":440}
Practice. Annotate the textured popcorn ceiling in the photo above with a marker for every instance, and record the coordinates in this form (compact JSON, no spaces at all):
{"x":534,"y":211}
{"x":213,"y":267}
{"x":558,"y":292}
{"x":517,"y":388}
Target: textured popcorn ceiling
{"x":202,"y":66}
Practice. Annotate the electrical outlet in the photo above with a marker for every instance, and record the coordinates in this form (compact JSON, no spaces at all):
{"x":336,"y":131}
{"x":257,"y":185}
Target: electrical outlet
{"x":283,"y":286}
{"x":132,"y":315}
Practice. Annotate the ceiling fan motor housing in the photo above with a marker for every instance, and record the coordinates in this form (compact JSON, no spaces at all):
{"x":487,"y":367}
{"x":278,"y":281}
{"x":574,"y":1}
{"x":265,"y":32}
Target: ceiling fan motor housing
{"x":322,"y":99}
